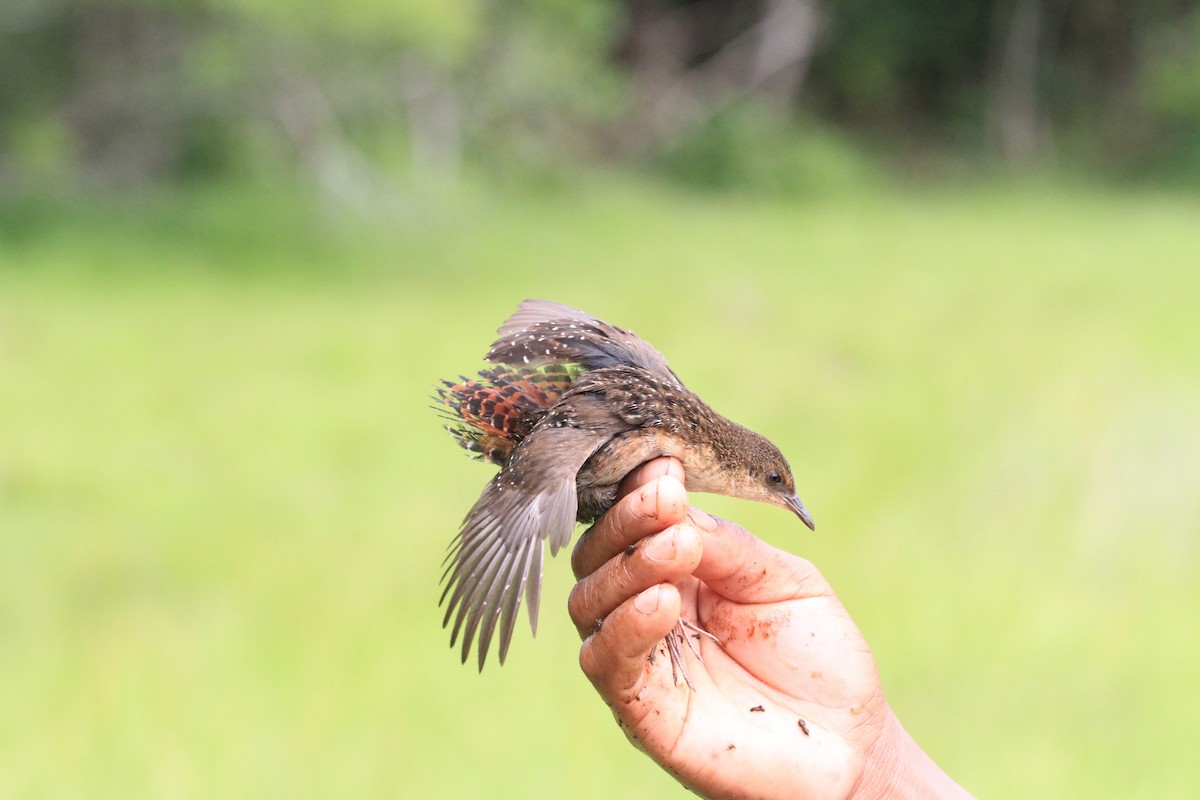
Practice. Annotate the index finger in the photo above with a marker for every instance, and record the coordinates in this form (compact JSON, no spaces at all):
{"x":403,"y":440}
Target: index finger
{"x":655,"y":468}
{"x":653,"y":507}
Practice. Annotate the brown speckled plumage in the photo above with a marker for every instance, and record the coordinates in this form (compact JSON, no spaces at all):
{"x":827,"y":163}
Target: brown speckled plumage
{"x":575,"y":405}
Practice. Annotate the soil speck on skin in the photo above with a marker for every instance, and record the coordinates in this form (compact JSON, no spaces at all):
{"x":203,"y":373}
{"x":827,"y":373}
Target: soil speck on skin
{"x":730,"y":747}
{"x":758,"y":709}
{"x":803,"y":726}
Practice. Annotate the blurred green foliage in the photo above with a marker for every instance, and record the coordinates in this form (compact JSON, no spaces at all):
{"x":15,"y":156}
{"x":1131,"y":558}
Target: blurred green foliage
{"x":122,"y":92}
{"x":1171,"y":85}
{"x":752,"y":150}
{"x":224,"y":500}
{"x":377,"y":96}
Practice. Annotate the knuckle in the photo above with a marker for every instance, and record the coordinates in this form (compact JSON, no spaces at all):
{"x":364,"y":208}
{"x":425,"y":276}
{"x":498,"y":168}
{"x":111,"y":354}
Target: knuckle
{"x":578,"y":555}
{"x":589,"y":661}
{"x":625,"y":572}
{"x":578,"y":603}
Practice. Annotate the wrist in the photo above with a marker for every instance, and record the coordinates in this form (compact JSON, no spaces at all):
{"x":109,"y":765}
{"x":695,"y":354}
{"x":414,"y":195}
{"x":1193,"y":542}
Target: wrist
{"x":898,"y":769}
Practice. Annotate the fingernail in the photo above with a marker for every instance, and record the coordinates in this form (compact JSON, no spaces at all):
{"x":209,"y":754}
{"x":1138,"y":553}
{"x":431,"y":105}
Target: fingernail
{"x":647,"y":601}
{"x":705,"y":522}
{"x":661,"y":547}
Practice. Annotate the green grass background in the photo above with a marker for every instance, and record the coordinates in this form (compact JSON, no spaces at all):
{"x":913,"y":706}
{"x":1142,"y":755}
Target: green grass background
{"x":224,"y":501}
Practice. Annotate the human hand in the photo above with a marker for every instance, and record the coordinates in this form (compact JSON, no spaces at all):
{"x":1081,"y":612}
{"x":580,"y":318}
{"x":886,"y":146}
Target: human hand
{"x":788,"y":705}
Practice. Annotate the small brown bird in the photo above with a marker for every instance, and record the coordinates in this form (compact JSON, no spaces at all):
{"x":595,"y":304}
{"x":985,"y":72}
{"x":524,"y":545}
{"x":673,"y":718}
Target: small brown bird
{"x":575,"y":405}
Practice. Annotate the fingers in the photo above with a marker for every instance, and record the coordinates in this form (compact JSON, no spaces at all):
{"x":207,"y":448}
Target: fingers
{"x":614,"y":656}
{"x":660,"y":558}
{"x":649,"y":471}
{"x":743,"y":568}
{"x":653,"y":507}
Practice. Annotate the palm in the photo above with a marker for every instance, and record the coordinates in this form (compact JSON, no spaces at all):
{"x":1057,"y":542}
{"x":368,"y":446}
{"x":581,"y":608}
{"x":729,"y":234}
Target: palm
{"x":785,"y":696}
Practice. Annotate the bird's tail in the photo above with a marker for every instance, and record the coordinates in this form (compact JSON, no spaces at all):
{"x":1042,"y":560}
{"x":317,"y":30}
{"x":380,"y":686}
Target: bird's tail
{"x":491,"y":414}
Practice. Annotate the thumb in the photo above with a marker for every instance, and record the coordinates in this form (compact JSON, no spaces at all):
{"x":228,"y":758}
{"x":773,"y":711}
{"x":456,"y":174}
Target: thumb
{"x":741,"y":567}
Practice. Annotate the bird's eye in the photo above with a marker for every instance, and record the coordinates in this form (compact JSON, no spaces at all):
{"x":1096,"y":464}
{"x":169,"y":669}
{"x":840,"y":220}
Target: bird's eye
{"x":774,"y":477}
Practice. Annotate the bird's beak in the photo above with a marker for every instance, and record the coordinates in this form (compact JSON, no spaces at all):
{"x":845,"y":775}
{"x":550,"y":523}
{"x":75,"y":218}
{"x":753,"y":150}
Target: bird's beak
{"x":800,"y":511}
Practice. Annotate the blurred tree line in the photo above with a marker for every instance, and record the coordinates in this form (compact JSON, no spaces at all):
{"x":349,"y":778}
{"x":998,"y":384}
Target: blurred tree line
{"x":356,"y":96}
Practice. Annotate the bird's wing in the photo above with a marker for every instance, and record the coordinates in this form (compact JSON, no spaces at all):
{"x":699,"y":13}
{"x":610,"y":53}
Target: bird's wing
{"x":497,"y":556}
{"x":541,"y":331}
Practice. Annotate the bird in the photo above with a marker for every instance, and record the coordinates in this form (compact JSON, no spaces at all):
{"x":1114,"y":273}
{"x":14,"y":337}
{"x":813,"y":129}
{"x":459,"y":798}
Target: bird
{"x":573,"y":405}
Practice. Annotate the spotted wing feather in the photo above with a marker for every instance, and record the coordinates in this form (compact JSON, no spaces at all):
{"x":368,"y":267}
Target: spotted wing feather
{"x":497,"y":556}
{"x":541,"y":331}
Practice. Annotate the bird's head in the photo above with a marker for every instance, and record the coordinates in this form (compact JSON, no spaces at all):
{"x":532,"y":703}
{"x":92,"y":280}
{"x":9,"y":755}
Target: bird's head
{"x":747,"y":465}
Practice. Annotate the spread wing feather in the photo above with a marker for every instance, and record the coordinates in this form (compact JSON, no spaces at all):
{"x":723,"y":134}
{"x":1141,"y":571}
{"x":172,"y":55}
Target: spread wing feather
{"x":497,"y":556}
{"x":544,"y":332}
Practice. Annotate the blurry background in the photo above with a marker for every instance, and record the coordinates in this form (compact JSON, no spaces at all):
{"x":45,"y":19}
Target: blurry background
{"x":944,"y":254}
